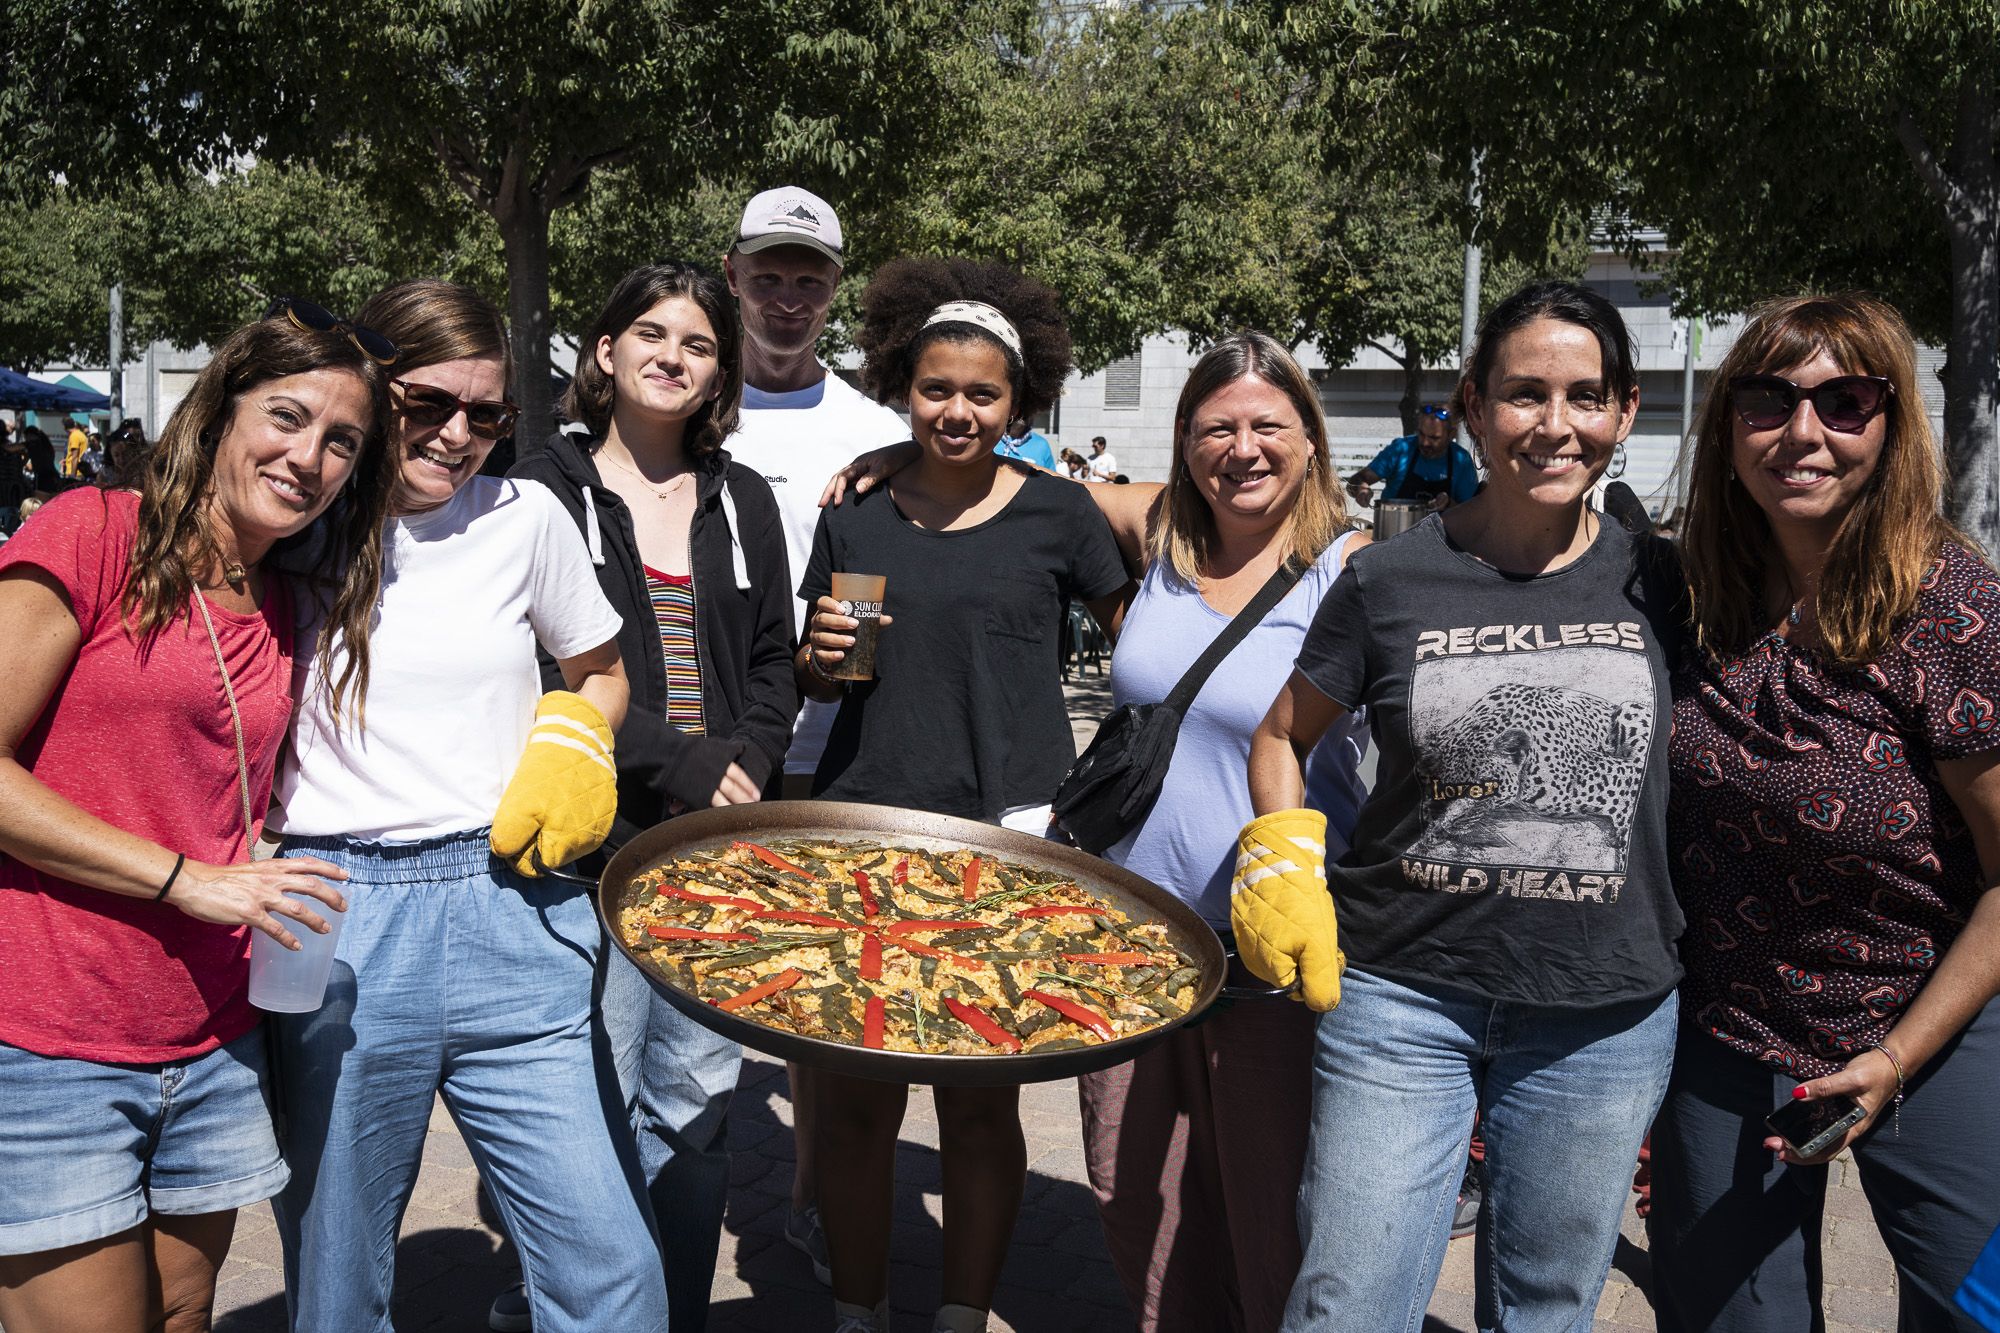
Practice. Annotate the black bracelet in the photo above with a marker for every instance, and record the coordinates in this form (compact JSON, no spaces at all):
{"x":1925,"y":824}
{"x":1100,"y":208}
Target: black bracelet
{"x":812,"y":665}
{"x":180,"y":859}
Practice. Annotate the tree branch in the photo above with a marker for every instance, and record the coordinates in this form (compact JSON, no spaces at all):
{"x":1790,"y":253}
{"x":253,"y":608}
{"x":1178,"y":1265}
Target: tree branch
{"x":1941,"y":186}
{"x":461,"y":164}
{"x":1401,"y":358}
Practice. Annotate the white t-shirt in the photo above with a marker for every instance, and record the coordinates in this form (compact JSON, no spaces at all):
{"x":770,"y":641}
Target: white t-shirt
{"x":467,"y":591}
{"x":1103,"y":467}
{"x":798,"y":440}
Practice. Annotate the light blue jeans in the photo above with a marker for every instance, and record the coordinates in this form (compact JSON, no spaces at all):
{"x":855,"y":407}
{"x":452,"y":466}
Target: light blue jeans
{"x":456,"y":976}
{"x":677,"y":1078}
{"x":1565,"y":1097}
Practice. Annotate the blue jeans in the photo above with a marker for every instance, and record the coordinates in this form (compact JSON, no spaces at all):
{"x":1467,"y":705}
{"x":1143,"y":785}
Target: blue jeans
{"x":677,"y":1078}
{"x":1564,"y":1095}
{"x":456,"y":976}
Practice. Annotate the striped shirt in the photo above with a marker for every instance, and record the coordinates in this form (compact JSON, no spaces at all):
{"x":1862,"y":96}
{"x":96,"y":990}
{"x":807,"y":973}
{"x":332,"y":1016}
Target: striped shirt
{"x":672,"y":596}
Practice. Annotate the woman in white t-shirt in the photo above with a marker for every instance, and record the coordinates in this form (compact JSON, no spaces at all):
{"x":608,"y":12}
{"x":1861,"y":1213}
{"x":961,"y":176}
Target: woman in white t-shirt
{"x":460,"y":972}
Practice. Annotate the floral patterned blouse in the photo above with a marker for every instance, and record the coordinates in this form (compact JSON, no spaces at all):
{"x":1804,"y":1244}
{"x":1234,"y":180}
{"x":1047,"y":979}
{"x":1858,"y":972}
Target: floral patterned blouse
{"x":1822,"y":867}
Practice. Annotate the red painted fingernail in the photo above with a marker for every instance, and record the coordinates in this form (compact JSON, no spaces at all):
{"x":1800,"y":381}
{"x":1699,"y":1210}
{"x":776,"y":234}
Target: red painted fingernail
{"x":1799,"y":1093}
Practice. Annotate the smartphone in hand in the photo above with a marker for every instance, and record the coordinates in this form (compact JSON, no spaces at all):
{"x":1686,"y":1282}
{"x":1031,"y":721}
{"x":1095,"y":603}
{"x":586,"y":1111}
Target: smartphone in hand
{"x":1809,"y":1128}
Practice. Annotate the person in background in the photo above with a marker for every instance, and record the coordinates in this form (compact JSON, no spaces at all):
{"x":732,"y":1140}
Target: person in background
{"x":17,"y":481}
{"x":690,"y":549}
{"x":43,"y":478}
{"x":1429,"y":466}
{"x":75,"y":444}
{"x":462,"y":973}
{"x":1505,"y":897}
{"x":1195,"y":1149}
{"x":965,"y":714}
{"x":147,"y":638}
{"x":1074,"y":466}
{"x":1101,"y":465}
{"x":800,"y":424}
{"x":1030,"y":446}
{"x":1835,"y":830}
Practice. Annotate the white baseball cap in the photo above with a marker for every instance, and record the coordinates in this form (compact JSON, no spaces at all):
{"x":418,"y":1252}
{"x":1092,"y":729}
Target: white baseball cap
{"x":789,"y":216}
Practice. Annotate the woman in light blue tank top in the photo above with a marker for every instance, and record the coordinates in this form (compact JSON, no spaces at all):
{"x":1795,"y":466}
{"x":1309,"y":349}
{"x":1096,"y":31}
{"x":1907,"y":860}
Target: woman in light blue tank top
{"x":1195,"y":1149}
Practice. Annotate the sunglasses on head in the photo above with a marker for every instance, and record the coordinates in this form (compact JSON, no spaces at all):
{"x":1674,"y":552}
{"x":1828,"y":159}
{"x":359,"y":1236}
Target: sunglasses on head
{"x":1435,"y":410}
{"x":1845,"y":403}
{"x":428,"y":405}
{"x":318,"y":319}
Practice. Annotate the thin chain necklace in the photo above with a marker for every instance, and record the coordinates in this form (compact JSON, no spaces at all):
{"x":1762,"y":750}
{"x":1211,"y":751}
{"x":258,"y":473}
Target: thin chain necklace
{"x":658,"y":492}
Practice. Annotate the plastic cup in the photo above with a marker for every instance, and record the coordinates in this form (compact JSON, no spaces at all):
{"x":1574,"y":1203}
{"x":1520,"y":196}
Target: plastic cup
{"x":286,"y":981}
{"x":863,"y":594}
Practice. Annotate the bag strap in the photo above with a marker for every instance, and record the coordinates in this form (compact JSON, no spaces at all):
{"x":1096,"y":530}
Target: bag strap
{"x":1247,"y":619}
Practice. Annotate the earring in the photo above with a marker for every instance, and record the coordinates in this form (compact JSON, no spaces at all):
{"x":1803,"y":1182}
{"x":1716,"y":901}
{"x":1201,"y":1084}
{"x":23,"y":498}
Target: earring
{"x":1616,"y":468}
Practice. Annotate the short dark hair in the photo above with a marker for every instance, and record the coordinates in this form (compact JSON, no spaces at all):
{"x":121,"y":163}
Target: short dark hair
{"x":904,"y":292}
{"x":1570,"y":303}
{"x":591,"y":393}
{"x":1098,"y":439}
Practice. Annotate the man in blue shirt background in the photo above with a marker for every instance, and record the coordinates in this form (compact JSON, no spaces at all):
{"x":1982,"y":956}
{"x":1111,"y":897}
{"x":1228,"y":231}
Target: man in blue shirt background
{"x":1428,"y":466}
{"x":1034,"y":447}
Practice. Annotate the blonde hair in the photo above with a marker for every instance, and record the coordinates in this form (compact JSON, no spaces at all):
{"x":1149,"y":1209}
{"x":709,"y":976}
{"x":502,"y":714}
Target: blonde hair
{"x":1886,"y":541}
{"x":1185,"y":535}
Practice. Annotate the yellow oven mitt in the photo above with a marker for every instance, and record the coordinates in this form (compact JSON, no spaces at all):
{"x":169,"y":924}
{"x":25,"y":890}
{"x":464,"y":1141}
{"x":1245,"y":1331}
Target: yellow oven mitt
{"x":1280,"y":909}
{"x":559,"y":803}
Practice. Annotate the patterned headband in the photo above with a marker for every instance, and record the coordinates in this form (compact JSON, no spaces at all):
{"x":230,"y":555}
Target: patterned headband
{"x":981,"y":315}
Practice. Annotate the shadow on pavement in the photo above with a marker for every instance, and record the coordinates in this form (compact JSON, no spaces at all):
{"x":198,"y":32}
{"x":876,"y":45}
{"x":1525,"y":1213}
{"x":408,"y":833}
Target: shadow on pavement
{"x":445,"y":1279}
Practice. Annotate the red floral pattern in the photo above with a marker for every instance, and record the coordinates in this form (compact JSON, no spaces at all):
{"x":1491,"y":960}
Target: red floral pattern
{"x":1822,"y":867}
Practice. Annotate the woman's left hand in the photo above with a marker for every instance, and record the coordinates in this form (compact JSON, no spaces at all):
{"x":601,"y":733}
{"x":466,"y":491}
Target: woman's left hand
{"x":875,"y":466}
{"x":1869,"y":1078}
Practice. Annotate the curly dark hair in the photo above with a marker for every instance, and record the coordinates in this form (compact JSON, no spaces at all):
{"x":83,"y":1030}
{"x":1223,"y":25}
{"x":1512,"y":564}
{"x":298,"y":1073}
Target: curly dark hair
{"x":901,"y":296}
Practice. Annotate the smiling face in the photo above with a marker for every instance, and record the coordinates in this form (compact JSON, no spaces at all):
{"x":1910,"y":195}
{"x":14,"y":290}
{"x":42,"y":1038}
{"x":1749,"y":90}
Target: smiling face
{"x":665,"y":366}
{"x":960,"y":399}
{"x":1801,"y":474}
{"x":1246,"y":451}
{"x":438,"y":460}
{"x":783,"y":295}
{"x":1546,"y":416}
{"x":288,"y":447}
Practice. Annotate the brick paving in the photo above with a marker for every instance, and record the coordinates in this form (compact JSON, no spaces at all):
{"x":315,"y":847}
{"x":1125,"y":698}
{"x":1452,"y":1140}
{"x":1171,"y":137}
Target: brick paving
{"x":1057,"y":1279}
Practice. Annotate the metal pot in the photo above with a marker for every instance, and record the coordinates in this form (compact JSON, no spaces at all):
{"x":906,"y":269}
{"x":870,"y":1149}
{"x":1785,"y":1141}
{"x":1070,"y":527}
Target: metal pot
{"x":1395,"y":516}
{"x":841,"y":820}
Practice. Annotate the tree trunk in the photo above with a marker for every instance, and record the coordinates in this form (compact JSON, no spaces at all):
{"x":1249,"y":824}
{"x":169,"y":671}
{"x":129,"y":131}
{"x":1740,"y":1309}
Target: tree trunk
{"x":1412,"y":362}
{"x":1972,"y":348}
{"x":524,"y":233}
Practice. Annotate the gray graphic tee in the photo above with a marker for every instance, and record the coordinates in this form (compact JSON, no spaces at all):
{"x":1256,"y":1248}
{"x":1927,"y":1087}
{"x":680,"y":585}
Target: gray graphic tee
{"x":1514,"y":845}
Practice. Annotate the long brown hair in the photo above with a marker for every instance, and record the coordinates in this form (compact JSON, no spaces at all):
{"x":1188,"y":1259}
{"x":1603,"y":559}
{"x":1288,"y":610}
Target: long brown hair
{"x":1886,"y":541}
{"x":591,"y":394}
{"x":1186,"y":535}
{"x":174,"y":544}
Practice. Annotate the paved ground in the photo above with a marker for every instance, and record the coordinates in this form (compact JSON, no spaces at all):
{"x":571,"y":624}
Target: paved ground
{"x":1057,"y":1280}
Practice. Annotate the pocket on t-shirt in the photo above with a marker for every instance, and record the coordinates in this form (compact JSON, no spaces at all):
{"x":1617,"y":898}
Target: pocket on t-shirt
{"x":1018,"y":606}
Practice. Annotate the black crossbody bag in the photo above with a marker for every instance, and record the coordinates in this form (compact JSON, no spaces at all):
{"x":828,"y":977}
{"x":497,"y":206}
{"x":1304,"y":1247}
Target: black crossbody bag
{"x":1114,"y":783}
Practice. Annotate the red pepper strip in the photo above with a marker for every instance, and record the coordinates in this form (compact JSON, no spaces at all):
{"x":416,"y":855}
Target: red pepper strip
{"x":801,"y":918}
{"x":901,"y":874}
{"x":791,"y":976}
{"x":972,"y":879}
{"x":873,"y":1018}
{"x":910,"y":927}
{"x":978,"y":1021}
{"x":927,"y":951}
{"x":773,"y":860}
{"x":1110,"y":959}
{"x":871,"y":958}
{"x":690,"y":933}
{"x":721,"y":899}
{"x":1074,"y":1012}
{"x":1061,"y":911}
{"x":868,"y":907}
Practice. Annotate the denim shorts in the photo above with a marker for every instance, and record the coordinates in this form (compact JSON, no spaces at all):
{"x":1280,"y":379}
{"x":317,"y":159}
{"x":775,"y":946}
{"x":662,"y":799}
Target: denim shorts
{"x":88,"y":1150}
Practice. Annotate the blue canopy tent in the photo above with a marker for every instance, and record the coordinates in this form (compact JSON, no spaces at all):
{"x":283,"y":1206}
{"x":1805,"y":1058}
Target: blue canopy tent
{"x":21,"y":393}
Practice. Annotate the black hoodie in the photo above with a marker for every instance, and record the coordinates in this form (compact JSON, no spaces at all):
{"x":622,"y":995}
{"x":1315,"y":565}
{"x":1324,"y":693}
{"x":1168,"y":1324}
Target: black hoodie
{"x":743,"y":631}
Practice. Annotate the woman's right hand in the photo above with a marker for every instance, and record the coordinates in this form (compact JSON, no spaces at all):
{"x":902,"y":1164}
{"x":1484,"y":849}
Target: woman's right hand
{"x":736,"y":788}
{"x":831,"y":632}
{"x":253,"y":894}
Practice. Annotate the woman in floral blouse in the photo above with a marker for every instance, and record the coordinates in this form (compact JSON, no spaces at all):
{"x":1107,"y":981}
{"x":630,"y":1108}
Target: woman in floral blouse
{"x":1835,"y":826}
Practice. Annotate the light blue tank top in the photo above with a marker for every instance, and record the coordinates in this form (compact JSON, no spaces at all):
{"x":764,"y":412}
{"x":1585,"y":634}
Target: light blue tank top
{"x":1187,"y":845}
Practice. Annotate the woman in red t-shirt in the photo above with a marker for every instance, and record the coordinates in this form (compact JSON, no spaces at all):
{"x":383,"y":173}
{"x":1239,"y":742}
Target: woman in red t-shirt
{"x":146,"y":642}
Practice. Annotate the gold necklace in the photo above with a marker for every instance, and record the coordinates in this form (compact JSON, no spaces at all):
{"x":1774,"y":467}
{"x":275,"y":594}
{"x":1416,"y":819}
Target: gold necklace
{"x":644,"y":480}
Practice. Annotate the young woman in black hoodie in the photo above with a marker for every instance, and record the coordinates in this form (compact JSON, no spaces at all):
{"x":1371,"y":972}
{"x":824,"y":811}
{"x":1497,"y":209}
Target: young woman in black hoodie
{"x":689,"y":547}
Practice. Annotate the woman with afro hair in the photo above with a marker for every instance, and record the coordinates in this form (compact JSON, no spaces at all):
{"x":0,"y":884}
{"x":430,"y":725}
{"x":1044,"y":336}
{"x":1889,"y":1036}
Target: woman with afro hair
{"x":965,"y":714}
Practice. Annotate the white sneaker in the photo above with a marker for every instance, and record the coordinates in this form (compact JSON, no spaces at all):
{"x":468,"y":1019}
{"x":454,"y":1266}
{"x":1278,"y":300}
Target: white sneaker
{"x":804,"y":1234}
{"x":959,"y":1319}
{"x":860,"y":1319}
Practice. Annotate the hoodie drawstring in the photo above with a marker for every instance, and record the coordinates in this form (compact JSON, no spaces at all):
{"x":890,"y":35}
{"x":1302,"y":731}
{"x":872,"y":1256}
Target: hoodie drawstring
{"x":592,"y":537}
{"x":736,"y":560}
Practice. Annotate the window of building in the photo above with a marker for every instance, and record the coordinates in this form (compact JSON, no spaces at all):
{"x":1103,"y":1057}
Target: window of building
{"x":1121,"y":382}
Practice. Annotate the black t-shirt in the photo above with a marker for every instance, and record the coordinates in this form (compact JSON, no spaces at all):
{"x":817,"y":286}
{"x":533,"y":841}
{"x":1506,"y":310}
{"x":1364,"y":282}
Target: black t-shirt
{"x":965,"y":715}
{"x":1515,"y":843}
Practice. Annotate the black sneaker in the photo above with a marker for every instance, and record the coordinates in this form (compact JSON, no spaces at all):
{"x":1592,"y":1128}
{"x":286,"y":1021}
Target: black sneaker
{"x":1471,"y":1193}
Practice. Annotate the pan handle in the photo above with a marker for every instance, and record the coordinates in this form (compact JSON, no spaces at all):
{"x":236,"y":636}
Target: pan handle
{"x":1256,"y":988}
{"x":535,"y":855}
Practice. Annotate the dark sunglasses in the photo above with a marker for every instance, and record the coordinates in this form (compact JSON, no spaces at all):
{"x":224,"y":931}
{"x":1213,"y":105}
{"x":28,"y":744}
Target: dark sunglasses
{"x":318,"y":319}
{"x":1845,"y":403}
{"x":1434,"y":410}
{"x":428,"y":405}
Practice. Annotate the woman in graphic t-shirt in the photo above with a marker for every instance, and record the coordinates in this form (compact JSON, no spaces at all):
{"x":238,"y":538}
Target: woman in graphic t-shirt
{"x":146,"y":638}
{"x":1835,"y":828}
{"x":965,"y":715}
{"x":461,"y":972}
{"x":1504,"y":899}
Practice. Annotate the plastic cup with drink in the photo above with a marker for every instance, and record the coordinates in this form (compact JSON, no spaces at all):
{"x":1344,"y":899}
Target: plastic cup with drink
{"x":293,"y":981}
{"x":861,"y":595}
